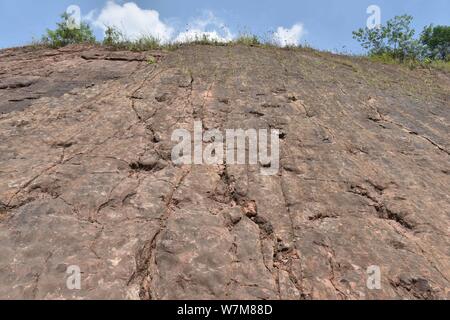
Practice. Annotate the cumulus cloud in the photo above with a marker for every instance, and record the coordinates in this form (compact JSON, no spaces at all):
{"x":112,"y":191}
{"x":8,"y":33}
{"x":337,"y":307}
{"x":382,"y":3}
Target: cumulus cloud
{"x":132,"y":21}
{"x":135,"y":22}
{"x":289,"y":37}
{"x":208,"y":26}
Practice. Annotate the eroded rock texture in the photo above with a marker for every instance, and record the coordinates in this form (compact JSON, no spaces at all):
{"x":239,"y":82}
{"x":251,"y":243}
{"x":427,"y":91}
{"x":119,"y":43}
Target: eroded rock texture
{"x":86,"y":177}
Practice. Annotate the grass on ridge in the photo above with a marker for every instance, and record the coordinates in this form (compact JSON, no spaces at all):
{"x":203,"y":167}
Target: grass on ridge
{"x":411,"y":63}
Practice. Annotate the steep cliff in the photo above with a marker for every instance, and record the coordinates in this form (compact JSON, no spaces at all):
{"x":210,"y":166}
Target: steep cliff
{"x":86,"y":177}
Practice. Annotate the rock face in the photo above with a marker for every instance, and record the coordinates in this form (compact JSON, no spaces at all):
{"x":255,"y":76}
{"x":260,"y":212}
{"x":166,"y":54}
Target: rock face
{"x":86,"y":177}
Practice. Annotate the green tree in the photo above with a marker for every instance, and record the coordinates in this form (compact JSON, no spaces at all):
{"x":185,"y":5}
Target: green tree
{"x":372,"y":40}
{"x":396,"y":38}
{"x":63,"y":35}
{"x":437,"y":41}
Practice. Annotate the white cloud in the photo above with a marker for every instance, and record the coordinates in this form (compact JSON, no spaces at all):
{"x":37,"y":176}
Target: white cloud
{"x":132,"y":21}
{"x":135,"y":22}
{"x":208,"y":26}
{"x":289,"y":37}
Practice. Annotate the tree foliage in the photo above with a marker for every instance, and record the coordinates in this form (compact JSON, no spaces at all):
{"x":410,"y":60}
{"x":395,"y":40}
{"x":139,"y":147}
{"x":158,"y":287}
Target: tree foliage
{"x":437,"y":41}
{"x":64,"y":35}
{"x":396,"y":39}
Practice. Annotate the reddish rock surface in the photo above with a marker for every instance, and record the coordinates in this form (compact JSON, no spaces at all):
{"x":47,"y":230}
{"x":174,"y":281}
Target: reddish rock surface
{"x":86,"y":177}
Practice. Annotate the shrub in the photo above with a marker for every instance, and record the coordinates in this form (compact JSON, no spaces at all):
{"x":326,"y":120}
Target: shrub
{"x":113,"y":36}
{"x":247,"y":40}
{"x":63,"y":35}
{"x":116,"y":39}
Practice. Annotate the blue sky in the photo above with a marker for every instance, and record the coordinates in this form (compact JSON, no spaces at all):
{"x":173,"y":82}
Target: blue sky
{"x":324,"y":24}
